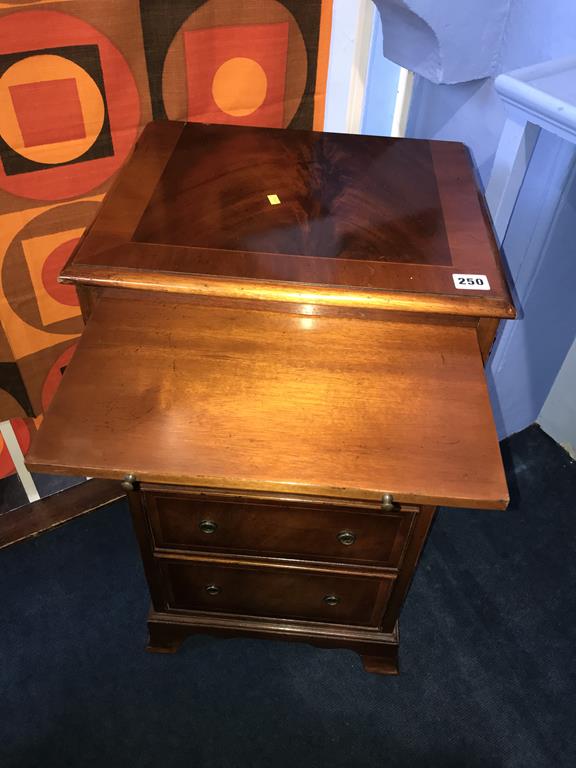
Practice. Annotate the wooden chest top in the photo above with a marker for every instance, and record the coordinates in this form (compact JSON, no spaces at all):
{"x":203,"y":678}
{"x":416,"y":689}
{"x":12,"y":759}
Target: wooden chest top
{"x":297,"y":216}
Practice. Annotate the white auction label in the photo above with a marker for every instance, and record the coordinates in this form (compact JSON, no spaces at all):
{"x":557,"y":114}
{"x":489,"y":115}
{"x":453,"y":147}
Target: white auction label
{"x":471,"y":282}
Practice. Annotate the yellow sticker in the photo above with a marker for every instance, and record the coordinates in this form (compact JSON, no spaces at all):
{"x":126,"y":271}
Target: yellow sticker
{"x":274,"y":199}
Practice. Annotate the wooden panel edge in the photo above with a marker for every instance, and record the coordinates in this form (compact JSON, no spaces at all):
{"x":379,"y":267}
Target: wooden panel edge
{"x":202,"y":285}
{"x":43,"y":515}
{"x":487,"y":328}
{"x":37,"y":464}
{"x":95,"y":238}
{"x":281,"y":629}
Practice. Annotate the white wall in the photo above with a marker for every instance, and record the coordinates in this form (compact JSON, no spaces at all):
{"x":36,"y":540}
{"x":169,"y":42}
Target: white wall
{"x":341,"y":63}
{"x":539,"y":248}
{"x":558,"y":415}
{"x":350,"y":49}
{"x":382,"y":84}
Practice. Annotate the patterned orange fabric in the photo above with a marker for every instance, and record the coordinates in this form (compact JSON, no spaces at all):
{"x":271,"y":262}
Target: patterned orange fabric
{"x":78,"y":80}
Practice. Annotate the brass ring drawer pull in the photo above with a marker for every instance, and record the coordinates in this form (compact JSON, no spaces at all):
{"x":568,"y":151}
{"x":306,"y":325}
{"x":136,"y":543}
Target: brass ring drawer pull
{"x":347,"y":538}
{"x":208,"y":526}
{"x":331,"y":599}
{"x":213,"y":589}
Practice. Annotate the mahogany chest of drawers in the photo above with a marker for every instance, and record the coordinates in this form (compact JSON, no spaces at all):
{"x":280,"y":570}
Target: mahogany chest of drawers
{"x":282,"y":364}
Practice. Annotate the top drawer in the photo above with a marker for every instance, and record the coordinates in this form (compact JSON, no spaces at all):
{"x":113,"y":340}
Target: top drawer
{"x":269,"y":528}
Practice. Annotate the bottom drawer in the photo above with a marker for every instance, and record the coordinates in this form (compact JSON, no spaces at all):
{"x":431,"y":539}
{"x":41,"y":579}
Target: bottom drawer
{"x":277,"y":593}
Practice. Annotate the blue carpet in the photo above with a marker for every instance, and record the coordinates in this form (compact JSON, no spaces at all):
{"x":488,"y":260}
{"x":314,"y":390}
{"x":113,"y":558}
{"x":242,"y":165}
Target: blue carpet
{"x":488,"y":650}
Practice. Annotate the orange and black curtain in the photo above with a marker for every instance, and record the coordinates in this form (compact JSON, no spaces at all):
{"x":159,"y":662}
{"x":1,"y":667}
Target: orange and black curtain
{"x":78,"y":80}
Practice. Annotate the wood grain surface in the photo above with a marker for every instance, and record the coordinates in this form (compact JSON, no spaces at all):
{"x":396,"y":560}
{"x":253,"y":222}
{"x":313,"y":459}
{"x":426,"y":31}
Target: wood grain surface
{"x":246,"y":399}
{"x":279,"y":528}
{"x":288,"y":594}
{"x":45,"y":514}
{"x":356,"y":215}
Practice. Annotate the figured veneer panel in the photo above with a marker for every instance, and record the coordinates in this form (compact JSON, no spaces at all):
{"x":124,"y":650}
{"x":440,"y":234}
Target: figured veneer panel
{"x":278,"y":528}
{"x":288,"y":594}
{"x":377,"y":202}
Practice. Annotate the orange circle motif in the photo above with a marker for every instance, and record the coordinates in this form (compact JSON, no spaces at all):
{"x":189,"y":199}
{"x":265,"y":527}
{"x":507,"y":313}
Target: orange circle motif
{"x":239,"y":86}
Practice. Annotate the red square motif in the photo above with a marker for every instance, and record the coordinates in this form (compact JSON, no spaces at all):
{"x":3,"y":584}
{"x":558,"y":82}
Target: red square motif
{"x":48,"y":111}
